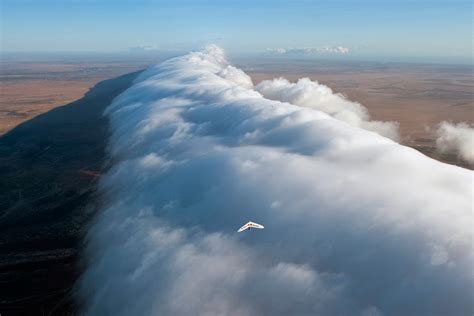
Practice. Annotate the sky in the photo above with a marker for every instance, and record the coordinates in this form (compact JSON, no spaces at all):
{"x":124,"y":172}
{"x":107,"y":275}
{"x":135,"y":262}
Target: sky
{"x":404,"y":29}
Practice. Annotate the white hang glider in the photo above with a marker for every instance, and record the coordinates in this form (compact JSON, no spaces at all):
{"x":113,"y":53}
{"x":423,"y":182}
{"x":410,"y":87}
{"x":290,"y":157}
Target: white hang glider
{"x":250,"y":225}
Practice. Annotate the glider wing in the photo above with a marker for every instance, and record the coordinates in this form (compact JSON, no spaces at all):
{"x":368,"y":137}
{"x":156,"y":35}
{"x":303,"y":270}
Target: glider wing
{"x":250,"y":225}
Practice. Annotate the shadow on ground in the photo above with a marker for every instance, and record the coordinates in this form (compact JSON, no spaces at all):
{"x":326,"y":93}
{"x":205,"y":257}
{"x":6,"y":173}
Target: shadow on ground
{"x":49,"y":167}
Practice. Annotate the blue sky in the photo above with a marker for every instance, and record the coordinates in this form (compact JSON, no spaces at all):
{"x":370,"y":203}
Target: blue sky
{"x":421,"y":29}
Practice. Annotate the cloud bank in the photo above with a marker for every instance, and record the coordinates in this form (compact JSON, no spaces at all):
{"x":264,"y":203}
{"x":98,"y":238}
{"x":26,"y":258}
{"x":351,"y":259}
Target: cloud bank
{"x":456,"y":138}
{"x":355,"y":224}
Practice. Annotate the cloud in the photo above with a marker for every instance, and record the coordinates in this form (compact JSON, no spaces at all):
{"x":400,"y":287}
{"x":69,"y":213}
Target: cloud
{"x":456,"y":138}
{"x":355,"y":224}
{"x":143,"y":48}
{"x":236,"y":76}
{"x":311,"y":94}
{"x":310,"y":50}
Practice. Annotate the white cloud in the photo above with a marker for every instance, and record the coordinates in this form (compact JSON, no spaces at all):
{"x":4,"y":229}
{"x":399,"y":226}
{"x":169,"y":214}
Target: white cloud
{"x":310,"y":50}
{"x":311,"y":94}
{"x":237,"y":76}
{"x":355,"y":224}
{"x":456,"y":138}
{"x":143,"y":48}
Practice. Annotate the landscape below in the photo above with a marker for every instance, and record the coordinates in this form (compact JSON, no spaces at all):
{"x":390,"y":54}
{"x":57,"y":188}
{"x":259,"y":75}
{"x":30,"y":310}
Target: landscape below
{"x":52,"y":155}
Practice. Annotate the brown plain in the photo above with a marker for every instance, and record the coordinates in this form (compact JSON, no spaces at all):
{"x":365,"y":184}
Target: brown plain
{"x":28,"y":89}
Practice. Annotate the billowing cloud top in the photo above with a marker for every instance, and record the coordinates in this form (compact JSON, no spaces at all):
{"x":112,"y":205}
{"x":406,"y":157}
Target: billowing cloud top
{"x":355,"y":224}
{"x":312,"y":94}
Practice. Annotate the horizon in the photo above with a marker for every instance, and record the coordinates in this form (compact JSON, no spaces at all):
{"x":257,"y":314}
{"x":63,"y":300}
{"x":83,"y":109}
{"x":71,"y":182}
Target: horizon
{"x":157,"y":56}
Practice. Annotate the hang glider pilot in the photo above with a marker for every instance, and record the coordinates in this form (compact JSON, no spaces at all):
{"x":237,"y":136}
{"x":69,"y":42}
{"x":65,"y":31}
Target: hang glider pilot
{"x":250,"y":225}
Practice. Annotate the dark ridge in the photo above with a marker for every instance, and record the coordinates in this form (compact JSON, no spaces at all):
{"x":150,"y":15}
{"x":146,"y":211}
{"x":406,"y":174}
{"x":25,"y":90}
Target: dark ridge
{"x":49,"y":167}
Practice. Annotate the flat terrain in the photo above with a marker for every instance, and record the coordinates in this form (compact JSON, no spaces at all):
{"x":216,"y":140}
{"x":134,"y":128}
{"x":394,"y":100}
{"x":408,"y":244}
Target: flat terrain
{"x":418,"y":96}
{"x":29,"y":88}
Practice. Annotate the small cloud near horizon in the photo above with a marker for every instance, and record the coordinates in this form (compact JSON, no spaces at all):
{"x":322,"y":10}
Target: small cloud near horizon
{"x":310,"y":50}
{"x":143,"y":48}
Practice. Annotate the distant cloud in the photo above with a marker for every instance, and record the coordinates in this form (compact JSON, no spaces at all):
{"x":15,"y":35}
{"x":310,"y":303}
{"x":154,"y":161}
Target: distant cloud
{"x":143,"y":48}
{"x":310,"y":50}
{"x":456,"y":138}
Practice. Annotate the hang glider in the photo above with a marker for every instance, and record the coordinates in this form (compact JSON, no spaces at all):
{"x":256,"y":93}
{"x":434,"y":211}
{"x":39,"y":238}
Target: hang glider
{"x":250,"y":225}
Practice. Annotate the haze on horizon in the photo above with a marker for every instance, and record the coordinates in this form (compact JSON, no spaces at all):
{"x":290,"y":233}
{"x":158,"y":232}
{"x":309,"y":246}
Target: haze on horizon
{"x":384,"y":30}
